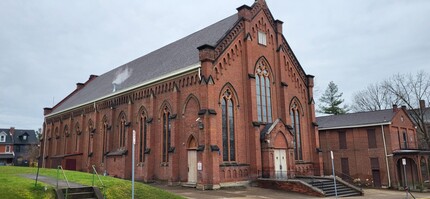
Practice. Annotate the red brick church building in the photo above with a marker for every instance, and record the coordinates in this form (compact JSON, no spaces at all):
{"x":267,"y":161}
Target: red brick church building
{"x":228,"y":103}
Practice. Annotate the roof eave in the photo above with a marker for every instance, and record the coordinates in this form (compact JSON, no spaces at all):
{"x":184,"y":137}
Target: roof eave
{"x":166,"y":76}
{"x":353,"y":126}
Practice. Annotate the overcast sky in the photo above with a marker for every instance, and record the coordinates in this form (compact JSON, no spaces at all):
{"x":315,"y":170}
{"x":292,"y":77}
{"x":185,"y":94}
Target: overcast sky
{"x":47,"y":46}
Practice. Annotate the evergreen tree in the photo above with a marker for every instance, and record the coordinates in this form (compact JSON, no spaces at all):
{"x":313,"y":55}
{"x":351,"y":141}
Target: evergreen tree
{"x":331,"y":101}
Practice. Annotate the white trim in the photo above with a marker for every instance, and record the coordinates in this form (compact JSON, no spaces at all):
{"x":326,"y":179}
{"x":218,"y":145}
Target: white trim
{"x":354,"y":126}
{"x":169,"y":75}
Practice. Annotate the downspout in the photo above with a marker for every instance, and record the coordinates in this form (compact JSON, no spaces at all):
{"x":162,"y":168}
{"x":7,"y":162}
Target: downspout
{"x":386,"y":157}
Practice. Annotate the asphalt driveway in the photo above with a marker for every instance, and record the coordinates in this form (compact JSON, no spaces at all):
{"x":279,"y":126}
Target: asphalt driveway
{"x":259,"y":193}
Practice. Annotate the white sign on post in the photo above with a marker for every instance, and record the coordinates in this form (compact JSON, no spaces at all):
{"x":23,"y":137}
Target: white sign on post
{"x":134,"y":137}
{"x":199,"y":166}
{"x":404,"y":161}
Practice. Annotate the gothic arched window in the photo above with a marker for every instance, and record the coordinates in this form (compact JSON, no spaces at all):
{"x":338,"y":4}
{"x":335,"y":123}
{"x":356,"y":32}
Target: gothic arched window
{"x":263,"y":95}
{"x":121,"y":130}
{"x":143,"y":134}
{"x":228,"y":138}
{"x":295,"y":123}
{"x":166,"y":134}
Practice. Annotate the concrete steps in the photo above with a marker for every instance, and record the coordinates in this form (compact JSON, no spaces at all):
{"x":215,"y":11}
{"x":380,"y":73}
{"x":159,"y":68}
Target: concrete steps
{"x":79,"y":193}
{"x":326,"y":184}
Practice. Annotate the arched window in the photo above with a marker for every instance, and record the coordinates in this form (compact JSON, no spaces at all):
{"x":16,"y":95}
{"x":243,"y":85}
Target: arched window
{"x":228,"y":139}
{"x":77,"y":136}
{"x":295,"y":123}
{"x":104,"y":142}
{"x":143,"y":134}
{"x":91,"y":132}
{"x":121,"y":130}
{"x":166,"y":134}
{"x":263,"y":95}
{"x":66,"y":140}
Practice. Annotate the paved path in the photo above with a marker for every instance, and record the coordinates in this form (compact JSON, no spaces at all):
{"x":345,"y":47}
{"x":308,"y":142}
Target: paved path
{"x":260,"y":193}
{"x":52,"y":181}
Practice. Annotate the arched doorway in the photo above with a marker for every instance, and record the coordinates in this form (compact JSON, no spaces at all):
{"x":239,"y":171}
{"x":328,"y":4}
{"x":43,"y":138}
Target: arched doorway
{"x":407,"y":174}
{"x":192,"y":160}
{"x":280,"y":156}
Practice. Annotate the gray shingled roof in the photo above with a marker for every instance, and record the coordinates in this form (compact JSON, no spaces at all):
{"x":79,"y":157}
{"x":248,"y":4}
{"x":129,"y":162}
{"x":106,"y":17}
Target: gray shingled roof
{"x":173,"y":57}
{"x":9,"y":139}
{"x":355,"y":119}
{"x":32,"y":139}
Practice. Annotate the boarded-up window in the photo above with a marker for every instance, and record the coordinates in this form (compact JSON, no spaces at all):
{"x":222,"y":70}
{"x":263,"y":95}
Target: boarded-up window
{"x":374,"y":163}
{"x":371,"y":138}
{"x":344,"y":163}
{"x":342,"y":140}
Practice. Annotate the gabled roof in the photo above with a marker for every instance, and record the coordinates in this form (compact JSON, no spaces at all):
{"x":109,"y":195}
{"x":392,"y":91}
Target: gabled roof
{"x":9,"y":139}
{"x":351,"y":120}
{"x":181,"y":55}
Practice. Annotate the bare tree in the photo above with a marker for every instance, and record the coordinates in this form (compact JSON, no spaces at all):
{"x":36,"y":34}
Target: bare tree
{"x":373,"y":98}
{"x":413,"y":90}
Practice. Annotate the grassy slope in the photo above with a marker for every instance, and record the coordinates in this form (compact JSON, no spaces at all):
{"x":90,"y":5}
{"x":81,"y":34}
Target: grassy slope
{"x":15,"y":186}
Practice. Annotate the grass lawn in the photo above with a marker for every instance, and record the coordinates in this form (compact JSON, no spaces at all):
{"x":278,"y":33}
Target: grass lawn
{"x":12,"y":185}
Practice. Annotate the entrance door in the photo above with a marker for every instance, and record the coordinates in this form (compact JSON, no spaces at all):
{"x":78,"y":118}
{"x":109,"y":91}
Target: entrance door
{"x":71,"y":164}
{"x":280,"y":163}
{"x":376,"y":178}
{"x":192,"y":166}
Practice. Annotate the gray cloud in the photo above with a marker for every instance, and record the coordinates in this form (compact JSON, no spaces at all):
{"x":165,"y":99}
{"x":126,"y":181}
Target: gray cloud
{"x":48,"y":46}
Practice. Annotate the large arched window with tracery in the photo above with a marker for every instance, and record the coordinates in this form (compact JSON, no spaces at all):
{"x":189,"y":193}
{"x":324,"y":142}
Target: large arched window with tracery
{"x":295,"y":123}
{"x":263,"y":95}
{"x":228,"y":138}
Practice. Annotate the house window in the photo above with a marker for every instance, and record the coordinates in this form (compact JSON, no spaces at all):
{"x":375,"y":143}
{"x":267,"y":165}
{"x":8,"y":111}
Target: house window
{"x":166,"y":134}
{"x":342,"y":140}
{"x":228,"y":138}
{"x":262,"y":38}
{"x":295,"y":123}
{"x":263,"y":95}
{"x":7,"y":149}
{"x":143,"y":134}
{"x":371,"y":138}
{"x":405,"y":140}
{"x":2,"y":137}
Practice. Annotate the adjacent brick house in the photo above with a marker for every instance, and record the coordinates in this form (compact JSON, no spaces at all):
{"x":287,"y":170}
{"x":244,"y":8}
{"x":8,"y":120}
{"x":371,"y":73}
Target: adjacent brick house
{"x":16,"y":146}
{"x":228,"y":103}
{"x":6,"y":147}
{"x":369,"y":147}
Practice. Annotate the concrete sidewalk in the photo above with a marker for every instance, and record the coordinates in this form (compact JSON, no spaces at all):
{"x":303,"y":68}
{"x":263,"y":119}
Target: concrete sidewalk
{"x":260,"y":193}
{"x":52,"y":181}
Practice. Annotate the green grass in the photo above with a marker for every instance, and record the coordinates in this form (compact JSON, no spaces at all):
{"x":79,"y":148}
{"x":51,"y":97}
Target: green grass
{"x":13,"y":185}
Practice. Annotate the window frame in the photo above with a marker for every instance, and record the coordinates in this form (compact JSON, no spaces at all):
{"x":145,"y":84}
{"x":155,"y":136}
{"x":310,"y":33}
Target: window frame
{"x":228,"y":128}
{"x":343,"y":141}
{"x":262,"y":38}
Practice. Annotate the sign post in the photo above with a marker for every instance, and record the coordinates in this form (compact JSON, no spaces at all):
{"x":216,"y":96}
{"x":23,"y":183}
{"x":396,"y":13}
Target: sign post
{"x":132,"y":163}
{"x":334,"y":174}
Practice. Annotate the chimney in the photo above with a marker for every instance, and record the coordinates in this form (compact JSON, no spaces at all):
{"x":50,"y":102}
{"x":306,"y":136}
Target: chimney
{"x":245,"y":12}
{"x":47,"y":111}
{"x":12,"y":130}
{"x":79,"y":85}
{"x":422,"y":104}
{"x":394,"y":107}
{"x":279,"y":26}
{"x":92,"y":77}
{"x":404,"y":108}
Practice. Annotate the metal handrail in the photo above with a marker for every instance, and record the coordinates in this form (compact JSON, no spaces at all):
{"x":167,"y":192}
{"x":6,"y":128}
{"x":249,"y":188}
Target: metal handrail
{"x":67,"y":181}
{"x":100,"y":180}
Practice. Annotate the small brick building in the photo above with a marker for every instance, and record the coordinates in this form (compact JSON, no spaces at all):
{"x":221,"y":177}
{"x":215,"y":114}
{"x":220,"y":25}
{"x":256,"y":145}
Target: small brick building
{"x":369,"y":148}
{"x":226,"y":104}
